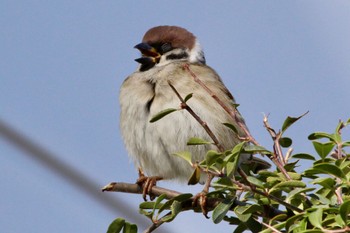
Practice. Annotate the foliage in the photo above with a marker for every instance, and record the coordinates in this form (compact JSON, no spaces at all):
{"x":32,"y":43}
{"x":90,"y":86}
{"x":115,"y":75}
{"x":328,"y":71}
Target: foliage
{"x":280,"y":200}
{"x":120,"y":224}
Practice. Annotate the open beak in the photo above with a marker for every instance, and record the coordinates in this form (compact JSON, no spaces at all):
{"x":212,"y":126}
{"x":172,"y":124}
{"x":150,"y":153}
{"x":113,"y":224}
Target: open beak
{"x":150,"y":56}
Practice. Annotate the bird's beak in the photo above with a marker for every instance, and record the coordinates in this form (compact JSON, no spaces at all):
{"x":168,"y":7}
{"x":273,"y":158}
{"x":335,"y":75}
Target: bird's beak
{"x":150,"y":56}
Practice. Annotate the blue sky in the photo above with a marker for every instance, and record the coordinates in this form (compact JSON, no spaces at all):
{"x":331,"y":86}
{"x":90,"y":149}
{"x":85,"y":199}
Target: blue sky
{"x":62,"y":63}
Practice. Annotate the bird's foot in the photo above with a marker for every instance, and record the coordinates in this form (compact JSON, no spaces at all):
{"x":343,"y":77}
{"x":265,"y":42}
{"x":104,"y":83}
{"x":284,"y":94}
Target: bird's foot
{"x":147,"y":183}
{"x":201,"y":200}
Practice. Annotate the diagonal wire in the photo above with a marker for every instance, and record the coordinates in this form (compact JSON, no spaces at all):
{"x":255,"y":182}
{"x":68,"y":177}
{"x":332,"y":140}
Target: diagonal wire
{"x":69,"y":173}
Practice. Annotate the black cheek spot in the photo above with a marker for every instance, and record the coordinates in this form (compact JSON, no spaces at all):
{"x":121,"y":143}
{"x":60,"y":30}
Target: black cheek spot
{"x":178,"y":56}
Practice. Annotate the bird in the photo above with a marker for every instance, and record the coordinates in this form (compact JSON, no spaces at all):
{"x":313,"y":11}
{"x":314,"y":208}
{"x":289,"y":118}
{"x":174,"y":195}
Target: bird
{"x":173,"y":55}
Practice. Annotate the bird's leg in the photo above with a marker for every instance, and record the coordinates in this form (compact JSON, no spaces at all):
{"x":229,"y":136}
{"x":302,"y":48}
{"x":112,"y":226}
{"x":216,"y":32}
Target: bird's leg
{"x":147,"y":183}
{"x":202,"y":196}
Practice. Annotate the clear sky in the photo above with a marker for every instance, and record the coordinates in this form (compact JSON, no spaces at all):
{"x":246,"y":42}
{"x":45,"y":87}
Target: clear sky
{"x":62,"y":64}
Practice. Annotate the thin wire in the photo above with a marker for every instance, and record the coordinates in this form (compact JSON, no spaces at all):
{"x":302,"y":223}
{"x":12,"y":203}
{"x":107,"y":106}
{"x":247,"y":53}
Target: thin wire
{"x":69,"y":173}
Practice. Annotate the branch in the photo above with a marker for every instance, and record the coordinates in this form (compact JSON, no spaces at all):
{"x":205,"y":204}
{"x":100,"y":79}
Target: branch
{"x":155,"y":224}
{"x":271,"y":227}
{"x":271,"y":197}
{"x":184,"y":105}
{"x":277,"y":157}
{"x":187,"y":205}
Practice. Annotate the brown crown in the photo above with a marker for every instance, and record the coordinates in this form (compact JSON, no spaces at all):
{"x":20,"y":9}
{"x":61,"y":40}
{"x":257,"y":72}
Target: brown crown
{"x":177,"y":36}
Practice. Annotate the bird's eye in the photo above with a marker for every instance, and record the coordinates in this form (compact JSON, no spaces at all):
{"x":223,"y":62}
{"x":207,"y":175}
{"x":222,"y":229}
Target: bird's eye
{"x":166,"y":47}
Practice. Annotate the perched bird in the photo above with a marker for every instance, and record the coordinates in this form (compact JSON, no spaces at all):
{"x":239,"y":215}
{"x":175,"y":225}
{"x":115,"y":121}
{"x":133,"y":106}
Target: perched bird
{"x":166,"y":50}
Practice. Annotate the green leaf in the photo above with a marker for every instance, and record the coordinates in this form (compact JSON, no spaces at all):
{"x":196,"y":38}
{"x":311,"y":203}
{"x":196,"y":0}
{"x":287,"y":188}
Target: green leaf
{"x":293,"y":175}
{"x":253,"y":225}
{"x":189,"y":96}
{"x":327,"y":182}
{"x":252,"y":209}
{"x":338,"y":219}
{"x":291,"y":166}
{"x":239,"y":210}
{"x":339,"y":127}
{"x":221,"y":210}
{"x":344,"y":211}
{"x":303,"y":156}
{"x":285,"y":142}
{"x":175,"y":210}
{"x":315,"y":218}
{"x":157,"y":203}
{"x":289,"y":121}
{"x":330,"y":169}
{"x":231,"y":126}
{"x":293,"y":221}
{"x":211,"y":157}
{"x":252,"y":149}
{"x":197,"y":141}
{"x":238,"y":148}
{"x":265,"y":173}
{"x":288,"y":184}
{"x":147,"y":205}
{"x":323,"y":149}
{"x":277,"y":226}
{"x":319,"y":135}
{"x":179,"y":198}
{"x":195,"y":177}
{"x":295,"y":193}
{"x":345,"y":144}
{"x":223,"y":182}
{"x":231,"y":160}
{"x":130,"y":228}
{"x":231,"y":168}
{"x":162,"y":114}
{"x":186,"y":155}
{"x":255,"y":181}
{"x":183,"y":197}
{"x":116,"y":226}
{"x":347,"y":122}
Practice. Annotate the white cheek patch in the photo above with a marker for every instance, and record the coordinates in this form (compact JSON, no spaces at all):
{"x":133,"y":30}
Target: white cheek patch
{"x":197,"y":54}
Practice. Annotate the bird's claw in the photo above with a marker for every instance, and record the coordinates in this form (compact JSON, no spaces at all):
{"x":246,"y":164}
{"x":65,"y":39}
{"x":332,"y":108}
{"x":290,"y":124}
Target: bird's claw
{"x":147,"y":183}
{"x":201,"y":200}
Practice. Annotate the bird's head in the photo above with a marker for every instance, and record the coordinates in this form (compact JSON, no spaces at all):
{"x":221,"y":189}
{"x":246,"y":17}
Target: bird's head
{"x":164,"y":44}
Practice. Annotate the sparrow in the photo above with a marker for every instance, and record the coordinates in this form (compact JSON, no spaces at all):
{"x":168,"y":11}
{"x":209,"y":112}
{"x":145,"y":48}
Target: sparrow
{"x":165,"y":51}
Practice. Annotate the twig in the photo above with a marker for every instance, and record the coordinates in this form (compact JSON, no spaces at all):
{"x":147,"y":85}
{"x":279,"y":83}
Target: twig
{"x":271,"y":197}
{"x":136,"y":189}
{"x":230,"y":111}
{"x":338,"y":191}
{"x":277,"y":157}
{"x":345,"y":229}
{"x":274,"y":230}
{"x":155,"y":224}
{"x":184,"y":105}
